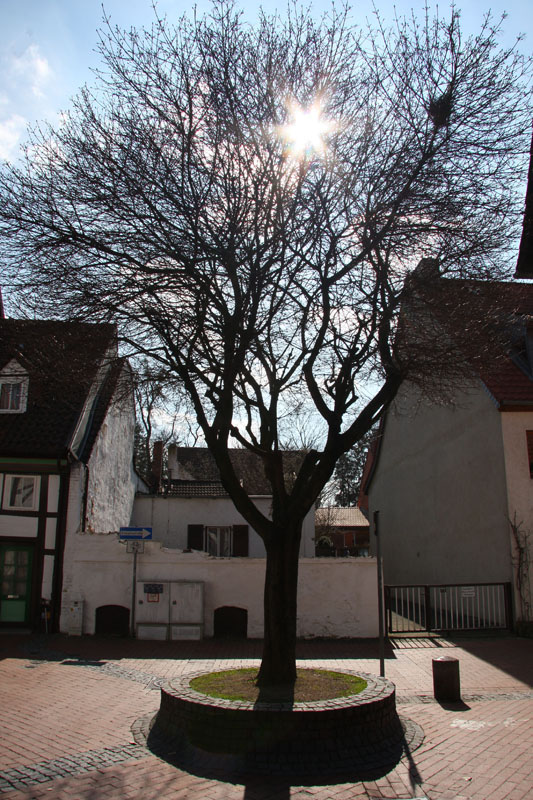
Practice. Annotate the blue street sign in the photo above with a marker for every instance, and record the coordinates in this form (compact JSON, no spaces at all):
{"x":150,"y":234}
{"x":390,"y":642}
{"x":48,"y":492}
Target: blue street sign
{"x":135,"y":533}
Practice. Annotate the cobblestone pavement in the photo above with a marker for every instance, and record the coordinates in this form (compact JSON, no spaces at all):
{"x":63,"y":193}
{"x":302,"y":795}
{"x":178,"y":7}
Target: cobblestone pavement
{"x":68,"y":705}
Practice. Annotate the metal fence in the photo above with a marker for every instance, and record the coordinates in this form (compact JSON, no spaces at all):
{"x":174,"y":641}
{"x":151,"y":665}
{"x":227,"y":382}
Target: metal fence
{"x":448,"y":607}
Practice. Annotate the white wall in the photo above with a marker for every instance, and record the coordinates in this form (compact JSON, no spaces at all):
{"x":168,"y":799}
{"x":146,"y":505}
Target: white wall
{"x":110,"y":494}
{"x":337,"y":597}
{"x":112,"y":479}
{"x":170,"y":516}
{"x":440,"y":487}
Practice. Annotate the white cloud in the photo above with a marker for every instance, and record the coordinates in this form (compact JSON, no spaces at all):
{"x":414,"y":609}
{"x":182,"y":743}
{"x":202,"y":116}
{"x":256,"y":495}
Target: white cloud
{"x":33,"y":68}
{"x":11,"y":131}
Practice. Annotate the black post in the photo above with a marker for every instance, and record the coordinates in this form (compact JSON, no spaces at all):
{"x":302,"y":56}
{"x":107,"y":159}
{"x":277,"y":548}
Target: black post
{"x":427,"y":609}
{"x":136,"y":548}
{"x":380,"y":598}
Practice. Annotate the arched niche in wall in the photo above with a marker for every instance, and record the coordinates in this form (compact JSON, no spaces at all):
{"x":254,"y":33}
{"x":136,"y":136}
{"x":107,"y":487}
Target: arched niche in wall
{"x":230,"y":621}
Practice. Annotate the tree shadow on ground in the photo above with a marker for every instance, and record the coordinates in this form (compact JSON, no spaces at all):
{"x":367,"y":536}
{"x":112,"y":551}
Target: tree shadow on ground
{"x":113,"y":649}
{"x":278,"y":770}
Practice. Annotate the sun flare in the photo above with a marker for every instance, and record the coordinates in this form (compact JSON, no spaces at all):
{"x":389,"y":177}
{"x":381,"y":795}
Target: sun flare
{"x":306,"y":131}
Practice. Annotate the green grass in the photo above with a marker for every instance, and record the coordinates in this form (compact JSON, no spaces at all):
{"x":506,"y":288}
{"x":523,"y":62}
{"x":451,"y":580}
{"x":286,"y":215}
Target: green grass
{"x":311,"y":685}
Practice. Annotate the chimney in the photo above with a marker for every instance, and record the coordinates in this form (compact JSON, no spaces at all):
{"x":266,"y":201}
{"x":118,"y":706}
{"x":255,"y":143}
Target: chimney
{"x":427,"y":269}
{"x":157,"y":465}
{"x":173,"y":462}
{"x":524,"y":264}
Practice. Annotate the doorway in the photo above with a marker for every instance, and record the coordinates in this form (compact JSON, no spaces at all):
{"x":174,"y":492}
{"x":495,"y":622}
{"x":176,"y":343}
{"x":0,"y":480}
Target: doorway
{"x":15,"y":582}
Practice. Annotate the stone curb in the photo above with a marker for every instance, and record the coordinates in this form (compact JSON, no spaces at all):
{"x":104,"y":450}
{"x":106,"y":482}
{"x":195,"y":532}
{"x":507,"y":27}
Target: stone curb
{"x":43,"y":771}
{"x":374,"y":690}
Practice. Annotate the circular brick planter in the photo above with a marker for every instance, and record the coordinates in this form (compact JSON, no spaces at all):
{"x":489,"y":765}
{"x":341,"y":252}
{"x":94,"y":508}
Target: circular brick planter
{"x":364,"y":722}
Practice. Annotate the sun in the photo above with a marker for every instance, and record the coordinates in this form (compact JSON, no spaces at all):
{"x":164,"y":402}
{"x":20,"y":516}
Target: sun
{"x":306,"y":131}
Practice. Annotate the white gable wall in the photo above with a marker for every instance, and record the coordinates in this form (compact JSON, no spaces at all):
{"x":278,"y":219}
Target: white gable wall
{"x":440,"y":487}
{"x":110,"y":481}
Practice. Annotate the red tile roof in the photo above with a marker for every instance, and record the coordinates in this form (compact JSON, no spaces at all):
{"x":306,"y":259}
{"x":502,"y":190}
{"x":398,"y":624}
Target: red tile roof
{"x":509,"y":379}
{"x":492,"y":336}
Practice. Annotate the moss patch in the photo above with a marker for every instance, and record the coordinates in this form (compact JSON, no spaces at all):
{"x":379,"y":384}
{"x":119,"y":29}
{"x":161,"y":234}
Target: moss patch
{"x":311,"y":685}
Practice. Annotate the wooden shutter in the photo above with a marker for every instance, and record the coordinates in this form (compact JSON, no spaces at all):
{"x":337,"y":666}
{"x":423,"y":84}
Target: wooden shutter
{"x":240,"y":540}
{"x":529,"y":435}
{"x":195,"y":537}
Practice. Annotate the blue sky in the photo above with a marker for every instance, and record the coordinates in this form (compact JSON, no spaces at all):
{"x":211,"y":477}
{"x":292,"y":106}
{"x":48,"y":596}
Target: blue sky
{"x":47,"y":47}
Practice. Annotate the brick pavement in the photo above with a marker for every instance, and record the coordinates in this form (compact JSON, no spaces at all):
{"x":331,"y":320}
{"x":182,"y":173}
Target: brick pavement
{"x":67,"y":706}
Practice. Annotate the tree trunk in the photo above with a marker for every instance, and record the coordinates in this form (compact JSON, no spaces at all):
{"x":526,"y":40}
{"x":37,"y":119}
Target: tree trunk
{"x":278,"y":665}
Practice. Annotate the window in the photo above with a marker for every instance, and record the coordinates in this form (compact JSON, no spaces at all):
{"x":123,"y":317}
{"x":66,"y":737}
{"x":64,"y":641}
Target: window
{"x":13,"y":389}
{"x":10,"y":396}
{"x":529,"y":435}
{"x":21,"y":492}
{"x":218,"y":541}
{"x":221,"y":541}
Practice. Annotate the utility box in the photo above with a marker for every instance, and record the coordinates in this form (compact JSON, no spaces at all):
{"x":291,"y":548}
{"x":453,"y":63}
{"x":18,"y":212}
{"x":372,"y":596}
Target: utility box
{"x":75,"y":618}
{"x":152,"y":609}
{"x":186,"y":610}
{"x":169,"y":609}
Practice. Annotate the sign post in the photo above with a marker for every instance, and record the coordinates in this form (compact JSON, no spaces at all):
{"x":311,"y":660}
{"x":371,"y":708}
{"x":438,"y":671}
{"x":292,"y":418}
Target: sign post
{"x":380,"y":597}
{"x":135,"y":539}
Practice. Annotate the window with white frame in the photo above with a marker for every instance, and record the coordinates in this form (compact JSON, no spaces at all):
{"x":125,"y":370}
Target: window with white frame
{"x":13,"y":389}
{"x":21,"y":492}
{"x":218,"y":541}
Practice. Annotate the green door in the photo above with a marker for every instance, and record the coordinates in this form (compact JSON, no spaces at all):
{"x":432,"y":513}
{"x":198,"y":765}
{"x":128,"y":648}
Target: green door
{"x":15,"y":578}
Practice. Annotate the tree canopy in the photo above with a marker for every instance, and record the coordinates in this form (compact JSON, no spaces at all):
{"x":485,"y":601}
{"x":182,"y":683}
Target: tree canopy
{"x":247,"y":203}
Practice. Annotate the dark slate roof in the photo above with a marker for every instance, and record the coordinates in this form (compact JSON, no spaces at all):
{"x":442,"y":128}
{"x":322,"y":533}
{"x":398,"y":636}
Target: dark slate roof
{"x":197,"y":467}
{"x":62,"y":360}
{"x":195,"y":489}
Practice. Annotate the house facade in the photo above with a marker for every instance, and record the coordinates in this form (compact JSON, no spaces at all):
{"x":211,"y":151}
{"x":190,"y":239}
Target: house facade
{"x":202,"y":572}
{"x":67,"y":487}
{"x":451,"y":480}
{"x":66,"y":433}
{"x":346,"y":528}
{"x":192,"y":510}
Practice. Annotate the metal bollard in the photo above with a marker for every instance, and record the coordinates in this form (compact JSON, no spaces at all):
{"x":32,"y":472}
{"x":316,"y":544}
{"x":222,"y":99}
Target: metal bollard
{"x":446,"y":683}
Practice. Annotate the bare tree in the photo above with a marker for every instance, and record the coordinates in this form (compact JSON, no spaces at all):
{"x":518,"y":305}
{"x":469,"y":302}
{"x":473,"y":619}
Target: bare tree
{"x":160,"y":413}
{"x":522,"y":561}
{"x":349,"y":471}
{"x":247,"y":202}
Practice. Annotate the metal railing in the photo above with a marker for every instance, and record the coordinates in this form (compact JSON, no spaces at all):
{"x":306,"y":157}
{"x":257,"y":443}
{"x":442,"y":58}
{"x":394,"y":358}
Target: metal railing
{"x":447,"y":607}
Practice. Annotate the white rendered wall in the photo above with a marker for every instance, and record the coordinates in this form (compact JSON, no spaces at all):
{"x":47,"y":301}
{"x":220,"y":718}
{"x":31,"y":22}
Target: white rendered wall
{"x":519,"y":483}
{"x":111,"y":490}
{"x":440,"y":488}
{"x":169,"y":518}
{"x":112,"y":479}
{"x":336,"y":598}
